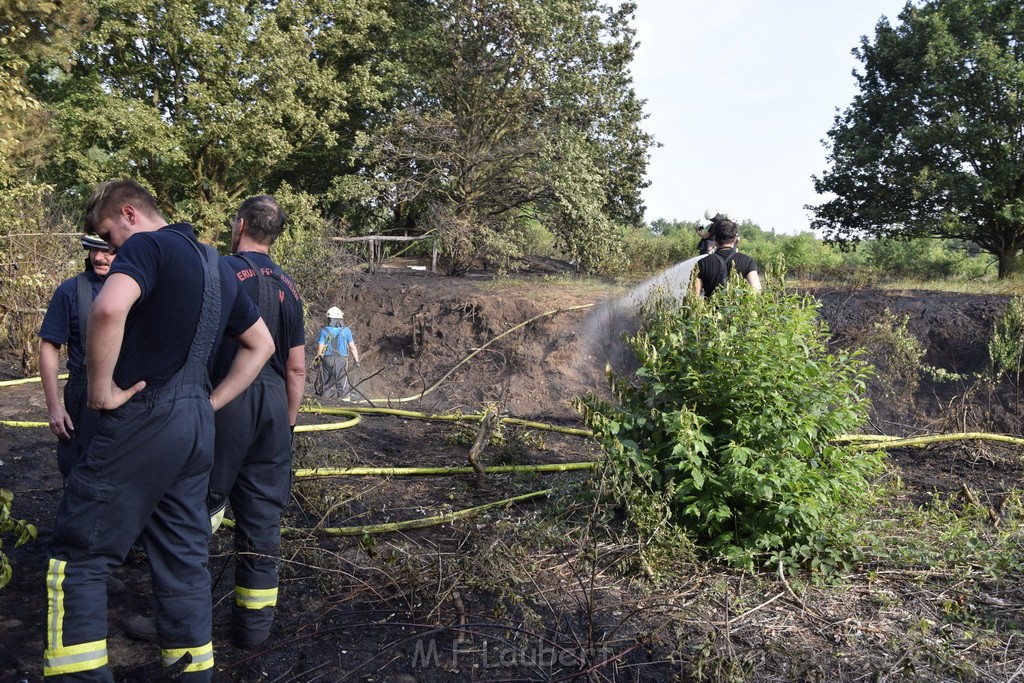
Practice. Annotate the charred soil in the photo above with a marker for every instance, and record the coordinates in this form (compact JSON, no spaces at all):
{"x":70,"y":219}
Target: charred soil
{"x":509,"y":594}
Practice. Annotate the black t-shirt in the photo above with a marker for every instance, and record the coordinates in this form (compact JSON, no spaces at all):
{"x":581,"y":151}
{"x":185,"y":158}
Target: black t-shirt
{"x":291,"y":330}
{"x":160,"y":326}
{"x":61,"y":324}
{"x":709,"y":267}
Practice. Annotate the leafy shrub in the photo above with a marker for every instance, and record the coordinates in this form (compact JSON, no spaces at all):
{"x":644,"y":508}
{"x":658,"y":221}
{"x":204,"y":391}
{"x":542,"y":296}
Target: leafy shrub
{"x":305,"y":249}
{"x":805,"y":255}
{"x":898,"y":355}
{"x":644,"y":253}
{"x":922,"y":258}
{"x":537,"y":240}
{"x":1006,"y":347}
{"x":24,"y":531}
{"x":727,"y":428}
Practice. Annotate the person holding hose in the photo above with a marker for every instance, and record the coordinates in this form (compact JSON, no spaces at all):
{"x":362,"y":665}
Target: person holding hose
{"x":713,"y":270}
{"x":334,"y":345}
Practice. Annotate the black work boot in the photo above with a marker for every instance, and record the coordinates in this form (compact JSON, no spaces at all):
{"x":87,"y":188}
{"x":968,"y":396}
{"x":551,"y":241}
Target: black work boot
{"x":251,"y":628}
{"x":140,"y":628}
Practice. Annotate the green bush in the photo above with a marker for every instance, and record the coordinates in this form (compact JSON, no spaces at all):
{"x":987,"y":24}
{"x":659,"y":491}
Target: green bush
{"x":804,"y":254}
{"x":24,"y":531}
{"x":305,"y":249}
{"x":645,"y":253}
{"x":922,"y":258}
{"x":727,"y":429}
{"x":1006,"y":347}
{"x":39,"y":248}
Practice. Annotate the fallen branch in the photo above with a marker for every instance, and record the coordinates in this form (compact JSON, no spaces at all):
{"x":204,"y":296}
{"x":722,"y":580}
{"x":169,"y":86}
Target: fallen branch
{"x":488,"y":424}
{"x":973,"y":500}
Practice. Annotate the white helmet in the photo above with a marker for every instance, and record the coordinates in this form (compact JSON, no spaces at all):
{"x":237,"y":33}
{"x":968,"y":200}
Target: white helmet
{"x":335,"y":312}
{"x":710,"y":214}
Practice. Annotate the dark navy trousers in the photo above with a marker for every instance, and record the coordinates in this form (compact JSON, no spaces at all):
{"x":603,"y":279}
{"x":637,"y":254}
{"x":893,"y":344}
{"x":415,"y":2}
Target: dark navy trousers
{"x":252,"y":470}
{"x":144,"y":475}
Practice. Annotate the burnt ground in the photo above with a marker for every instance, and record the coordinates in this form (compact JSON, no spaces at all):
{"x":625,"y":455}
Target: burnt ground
{"x":495,"y":597}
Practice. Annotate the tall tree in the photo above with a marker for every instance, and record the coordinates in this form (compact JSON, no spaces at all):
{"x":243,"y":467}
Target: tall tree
{"x":203,"y":101}
{"x":30,"y":32}
{"x":933,"y":145}
{"x":513,"y":112}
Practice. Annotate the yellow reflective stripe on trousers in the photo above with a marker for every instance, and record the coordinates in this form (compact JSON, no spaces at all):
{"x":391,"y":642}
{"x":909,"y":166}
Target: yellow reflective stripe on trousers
{"x":75,"y":658}
{"x":55,"y":607}
{"x":202,"y":657}
{"x":58,"y":659}
{"x":255,"y":598}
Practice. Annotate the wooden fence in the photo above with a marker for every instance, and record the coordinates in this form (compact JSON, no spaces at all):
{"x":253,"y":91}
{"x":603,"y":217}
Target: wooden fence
{"x":374,"y":257}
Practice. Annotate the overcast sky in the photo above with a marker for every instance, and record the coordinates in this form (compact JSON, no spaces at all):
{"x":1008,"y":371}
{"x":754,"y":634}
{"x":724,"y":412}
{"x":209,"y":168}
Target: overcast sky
{"x":740,"y":94}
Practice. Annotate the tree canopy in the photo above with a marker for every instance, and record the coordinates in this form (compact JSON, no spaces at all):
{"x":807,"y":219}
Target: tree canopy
{"x":30,"y":32}
{"x":203,"y":102}
{"x":509,"y":113}
{"x":478,"y":119}
{"x":933,"y":144}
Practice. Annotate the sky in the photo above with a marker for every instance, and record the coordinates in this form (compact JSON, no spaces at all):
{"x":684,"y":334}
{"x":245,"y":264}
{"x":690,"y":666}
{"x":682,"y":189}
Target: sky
{"x":740,"y":94}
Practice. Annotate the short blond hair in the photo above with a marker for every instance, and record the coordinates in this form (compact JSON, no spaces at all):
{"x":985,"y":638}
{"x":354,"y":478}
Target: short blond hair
{"x":108,"y":198}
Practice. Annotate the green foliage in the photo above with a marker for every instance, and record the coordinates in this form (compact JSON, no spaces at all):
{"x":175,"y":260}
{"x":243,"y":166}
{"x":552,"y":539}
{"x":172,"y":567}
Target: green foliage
{"x":668,"y":242}
{"x":930,"y":145}
{"x":899,"y":356}
{"x":803,"y":254}
{"x":667,"y":228}
{"x":947,"y":535}
{"x":510,"y":113}
{"x":1006,"y":347}
{"x":304,"y":250}
{"x":727,"y":429}
{"x":644,"y":253}
{"x":22,"y":530}
{"x":30,"y":32}
{"x":922,"y":258}
{"x":206,"y":103}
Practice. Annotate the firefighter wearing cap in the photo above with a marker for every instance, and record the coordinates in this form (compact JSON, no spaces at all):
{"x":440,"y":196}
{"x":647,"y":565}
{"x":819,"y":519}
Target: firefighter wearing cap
{"x":65,"y":324}
{"x":252,"y":455}
{"x":333,"y":348}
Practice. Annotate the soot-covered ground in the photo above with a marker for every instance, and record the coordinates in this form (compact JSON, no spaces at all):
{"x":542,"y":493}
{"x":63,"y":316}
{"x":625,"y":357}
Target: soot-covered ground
{"x":372,"y":607}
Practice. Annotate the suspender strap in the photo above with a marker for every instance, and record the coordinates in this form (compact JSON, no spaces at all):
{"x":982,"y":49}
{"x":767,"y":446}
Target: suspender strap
{"x":726,"y":261}
{"x":269,"y":301}
{"x":195,"y":369}
{"x":84,"y":287}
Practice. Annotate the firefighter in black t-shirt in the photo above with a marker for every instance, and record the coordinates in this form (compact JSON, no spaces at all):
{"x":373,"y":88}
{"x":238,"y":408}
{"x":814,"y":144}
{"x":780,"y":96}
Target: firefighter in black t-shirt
{"x":715,"y":268}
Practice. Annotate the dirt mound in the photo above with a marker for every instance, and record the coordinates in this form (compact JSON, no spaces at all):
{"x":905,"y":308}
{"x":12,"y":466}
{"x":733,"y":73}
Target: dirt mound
{"x":523,"y":342}
{"x":952,"y":330}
